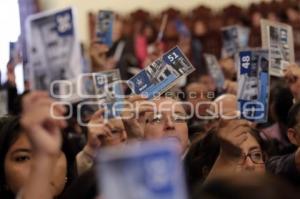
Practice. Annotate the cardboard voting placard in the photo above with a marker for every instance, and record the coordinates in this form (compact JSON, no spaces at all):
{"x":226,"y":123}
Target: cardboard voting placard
{"x":253,"y":85}
{"x":162,"y":74}
{"x":144,"y":170}
{"x":278,"y":38}
{"x":53,"y":48}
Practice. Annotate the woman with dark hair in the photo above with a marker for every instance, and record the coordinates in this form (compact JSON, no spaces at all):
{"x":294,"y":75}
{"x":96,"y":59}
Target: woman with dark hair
{"x":32,"y":164}
{"x":200,"y":158}
{"x":233,"y":147}
{"x":7,"y":138}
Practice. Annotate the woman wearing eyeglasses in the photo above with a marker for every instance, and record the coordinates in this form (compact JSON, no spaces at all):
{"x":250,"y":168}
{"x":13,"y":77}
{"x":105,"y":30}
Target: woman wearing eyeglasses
{"x":241,"y":149}
{"x":231,"y":148}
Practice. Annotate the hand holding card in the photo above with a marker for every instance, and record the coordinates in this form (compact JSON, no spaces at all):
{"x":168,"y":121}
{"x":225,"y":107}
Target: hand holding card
{"x":104,"y":27}
{"x":144,"y":170}
{"x":253,"y":85}
{"x":162,"y":74}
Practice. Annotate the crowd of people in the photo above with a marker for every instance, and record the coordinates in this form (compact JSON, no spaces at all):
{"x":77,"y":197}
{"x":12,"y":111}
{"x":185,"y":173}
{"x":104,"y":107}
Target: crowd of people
{"x":42,"y":157}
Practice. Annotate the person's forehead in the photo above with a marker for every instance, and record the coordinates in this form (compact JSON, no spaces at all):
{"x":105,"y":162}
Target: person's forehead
{"x":116,"y":123}
{"x":168,"y":104}
{"x":21,"y":142}
{"x":250,"y":144}
{"x":205,"y":78}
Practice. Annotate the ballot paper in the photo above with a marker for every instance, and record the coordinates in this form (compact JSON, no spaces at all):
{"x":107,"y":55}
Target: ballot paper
{"x":109,"y":88}
{"x":278,"y":38}
{"x":143,"y":170}
{"x":253,"y":85}
{"x":53,"y":49}
{"x":215,"y":71}
{"x":235,"y":38}
{"x":104,"y":27}
{"x":162,"y":74}
{"x":101,"y":90}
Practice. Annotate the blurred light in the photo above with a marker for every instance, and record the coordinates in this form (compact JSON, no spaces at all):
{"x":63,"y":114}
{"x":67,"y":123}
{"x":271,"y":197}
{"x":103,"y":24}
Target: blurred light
{"x":10,"y":30}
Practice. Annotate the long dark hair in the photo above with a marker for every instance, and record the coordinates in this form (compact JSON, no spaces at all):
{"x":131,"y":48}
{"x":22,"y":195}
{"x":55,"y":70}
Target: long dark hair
{"x":10,"y":131}
{"x":203,"y":154}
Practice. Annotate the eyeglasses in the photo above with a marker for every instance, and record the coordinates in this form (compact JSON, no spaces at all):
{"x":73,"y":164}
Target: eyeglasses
{"x":162,"y":118}
{"x":257,"y":157}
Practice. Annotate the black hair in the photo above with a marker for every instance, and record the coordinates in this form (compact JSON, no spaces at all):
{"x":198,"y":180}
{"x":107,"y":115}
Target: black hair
{"x":283,"y":101}
{"x":294,"y":115}
{"x":204,"y":152}
{"x":10,"y":132}
{"x":202,"y":155}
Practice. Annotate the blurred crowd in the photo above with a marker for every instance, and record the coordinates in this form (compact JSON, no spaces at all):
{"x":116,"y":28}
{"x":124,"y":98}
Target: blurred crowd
{"x":42,"y":157}
{"x":139,"y":30}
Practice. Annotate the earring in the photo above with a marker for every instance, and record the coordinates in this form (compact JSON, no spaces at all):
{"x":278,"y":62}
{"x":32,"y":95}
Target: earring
{"x":66,"y":180}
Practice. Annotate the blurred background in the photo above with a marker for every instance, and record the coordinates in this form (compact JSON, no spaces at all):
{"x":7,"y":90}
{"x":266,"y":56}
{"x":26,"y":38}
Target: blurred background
{"x":203,"y":19}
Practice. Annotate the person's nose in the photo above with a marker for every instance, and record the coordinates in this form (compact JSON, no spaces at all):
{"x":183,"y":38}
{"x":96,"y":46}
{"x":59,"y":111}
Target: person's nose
{"x":124,"y":136}
{"x":249,"y":164}
{"x":169,"y":123}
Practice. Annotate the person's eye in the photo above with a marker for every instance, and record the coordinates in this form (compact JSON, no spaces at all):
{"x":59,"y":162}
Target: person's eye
{"x":22,"y":158}
{"x":156,"y":120}
{"x":116,"y":131}
{"x":179,"y":118}
{"x":257,"y":155}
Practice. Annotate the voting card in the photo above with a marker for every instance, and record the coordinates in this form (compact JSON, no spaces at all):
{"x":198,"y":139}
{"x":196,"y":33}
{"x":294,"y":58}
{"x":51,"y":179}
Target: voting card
{"x":235,"y":38}
{"x":143,"y":170}
{"x":278,"y":38}
{"x":108,"y":86}
{"x":162,"y":74}
{"x":253,"y":85}
{"x":53,"y":48}
{"x":104,"y":27}
{"x":215,"y":71}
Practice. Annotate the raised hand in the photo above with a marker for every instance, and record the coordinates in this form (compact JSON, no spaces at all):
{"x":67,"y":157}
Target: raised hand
{"x":40,"y":124}
{"x":232,"y":133}
{"x":133,"y":115}
{"x":292,"y":76}
{"x":96,"y":129}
